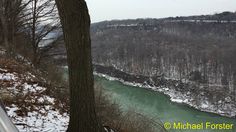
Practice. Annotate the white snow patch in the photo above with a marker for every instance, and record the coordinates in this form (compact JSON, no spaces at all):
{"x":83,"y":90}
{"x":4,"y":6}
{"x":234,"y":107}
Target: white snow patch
{"x":46,"y":119}
{"x":7,"y":76}
{"x":4,"y":70}
{"x":205,"y":104}
{"x":176,"y":100}
{"x":52,"y":121}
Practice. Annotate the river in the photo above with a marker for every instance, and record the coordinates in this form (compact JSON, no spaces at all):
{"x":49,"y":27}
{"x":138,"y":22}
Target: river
{"x":157,"y":106}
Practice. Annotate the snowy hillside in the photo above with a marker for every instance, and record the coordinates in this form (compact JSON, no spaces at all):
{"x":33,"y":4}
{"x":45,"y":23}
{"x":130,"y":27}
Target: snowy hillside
{"x":27,"y":101}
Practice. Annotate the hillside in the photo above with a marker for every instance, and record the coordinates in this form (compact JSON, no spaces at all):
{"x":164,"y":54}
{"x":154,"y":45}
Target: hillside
{"x":36,"y":105}
{"x":27,"y":98}
{"x":199,"y":53}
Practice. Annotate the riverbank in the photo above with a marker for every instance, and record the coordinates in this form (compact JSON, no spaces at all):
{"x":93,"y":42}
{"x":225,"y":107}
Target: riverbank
{"x":188,"y":93}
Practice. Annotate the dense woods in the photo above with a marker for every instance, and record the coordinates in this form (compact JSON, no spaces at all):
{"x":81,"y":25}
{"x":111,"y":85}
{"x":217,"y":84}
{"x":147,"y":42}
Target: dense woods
{"x":182,"y":50}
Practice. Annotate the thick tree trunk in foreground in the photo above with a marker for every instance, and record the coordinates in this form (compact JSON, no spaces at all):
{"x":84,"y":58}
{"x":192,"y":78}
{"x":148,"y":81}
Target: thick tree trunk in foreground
{"x":76,"y":27}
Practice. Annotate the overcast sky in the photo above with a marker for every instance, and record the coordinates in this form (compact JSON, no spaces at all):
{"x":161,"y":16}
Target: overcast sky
{"x":101,"y":10}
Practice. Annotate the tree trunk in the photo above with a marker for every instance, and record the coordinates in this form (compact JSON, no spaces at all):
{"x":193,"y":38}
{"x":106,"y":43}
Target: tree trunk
{"x":76,"y":28}
{"x":4,"y":26}
{"x":7,"y":21}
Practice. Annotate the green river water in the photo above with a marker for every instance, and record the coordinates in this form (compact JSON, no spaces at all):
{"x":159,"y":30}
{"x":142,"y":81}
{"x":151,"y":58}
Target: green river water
{"x":157,"y":106}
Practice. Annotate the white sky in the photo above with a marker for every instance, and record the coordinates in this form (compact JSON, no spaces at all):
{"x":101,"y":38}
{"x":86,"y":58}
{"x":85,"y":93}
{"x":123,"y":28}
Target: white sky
{"x":101,"y":10}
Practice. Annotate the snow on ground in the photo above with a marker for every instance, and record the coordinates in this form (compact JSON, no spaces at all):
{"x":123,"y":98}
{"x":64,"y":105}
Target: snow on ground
{"x":7,"y":76}
{"x":45,"y":120}
{"x":43,"y":117}
{"x":28,"y":105}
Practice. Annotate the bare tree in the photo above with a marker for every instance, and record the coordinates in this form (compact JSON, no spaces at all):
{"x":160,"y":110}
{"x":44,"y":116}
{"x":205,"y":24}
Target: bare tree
{"x":40,"y":21}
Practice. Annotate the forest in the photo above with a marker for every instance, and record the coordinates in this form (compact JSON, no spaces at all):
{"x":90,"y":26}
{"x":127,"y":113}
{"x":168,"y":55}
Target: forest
{"x":182,"y":50}
{"x":196,"y":50}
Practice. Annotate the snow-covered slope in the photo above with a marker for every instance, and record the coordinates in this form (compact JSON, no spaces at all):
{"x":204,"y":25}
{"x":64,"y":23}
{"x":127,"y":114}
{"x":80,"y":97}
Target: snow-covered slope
{"x":27,"y":101}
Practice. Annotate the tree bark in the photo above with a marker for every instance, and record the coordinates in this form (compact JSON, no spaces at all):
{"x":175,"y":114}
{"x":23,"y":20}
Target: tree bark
{"x":4,"y":25}
{"x":9,"y":12}
{"x":75,"y":22}
{"x":33,"y":32}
